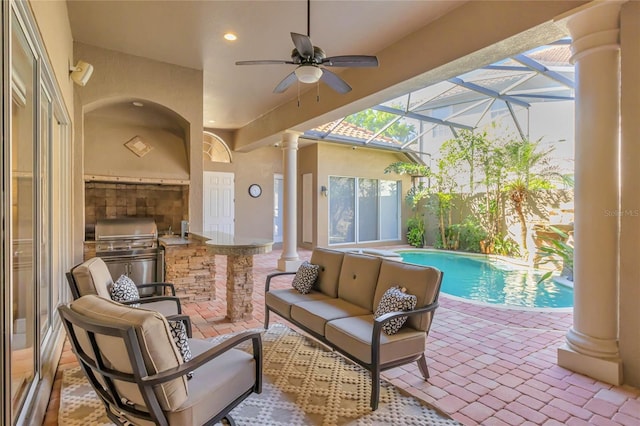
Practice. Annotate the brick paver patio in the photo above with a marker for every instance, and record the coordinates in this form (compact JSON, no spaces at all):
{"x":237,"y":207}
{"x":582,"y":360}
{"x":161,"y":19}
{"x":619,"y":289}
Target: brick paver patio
{"x":489,"y":365}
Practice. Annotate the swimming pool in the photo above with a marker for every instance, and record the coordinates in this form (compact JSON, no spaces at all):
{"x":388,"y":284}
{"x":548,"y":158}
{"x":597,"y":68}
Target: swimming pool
{"x":491,"y":281}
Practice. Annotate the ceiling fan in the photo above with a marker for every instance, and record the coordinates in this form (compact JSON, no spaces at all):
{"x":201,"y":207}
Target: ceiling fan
{"x":311,"y":61}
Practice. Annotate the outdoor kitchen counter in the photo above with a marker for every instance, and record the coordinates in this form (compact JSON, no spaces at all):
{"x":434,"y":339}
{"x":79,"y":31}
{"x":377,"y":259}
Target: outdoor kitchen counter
{"x":190,"y":267}
{"x":239,"y":252}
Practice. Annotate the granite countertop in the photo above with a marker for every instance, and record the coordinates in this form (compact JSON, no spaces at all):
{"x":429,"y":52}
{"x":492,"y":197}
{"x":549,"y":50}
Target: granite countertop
{"x":174,"y":240}
{"x":221,"y":243}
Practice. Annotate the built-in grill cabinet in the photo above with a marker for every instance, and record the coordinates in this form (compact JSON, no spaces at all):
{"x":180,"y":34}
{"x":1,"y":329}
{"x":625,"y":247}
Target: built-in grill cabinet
{"x":129,"y":246}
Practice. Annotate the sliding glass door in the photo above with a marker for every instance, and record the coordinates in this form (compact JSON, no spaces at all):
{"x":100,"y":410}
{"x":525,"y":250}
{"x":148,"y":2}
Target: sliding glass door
{"x":363,"y":210}
{"x":35,"y":240}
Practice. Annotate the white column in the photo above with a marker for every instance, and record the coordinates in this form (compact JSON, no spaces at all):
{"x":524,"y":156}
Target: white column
{"x":592,"y":343}
{"x":289,"y":260}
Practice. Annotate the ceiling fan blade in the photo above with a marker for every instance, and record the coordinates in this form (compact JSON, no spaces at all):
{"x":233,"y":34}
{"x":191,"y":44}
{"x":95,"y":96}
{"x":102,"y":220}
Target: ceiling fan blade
{"x":335,"y":82}
{"x":303,"y":45}
{"x":285,"y":83}
{"x":263,"y":62}
{"x":351,"y":61}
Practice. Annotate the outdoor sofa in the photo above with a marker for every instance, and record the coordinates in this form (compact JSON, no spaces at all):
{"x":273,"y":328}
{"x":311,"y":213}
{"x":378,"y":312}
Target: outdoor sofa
{"x":339,"y":309}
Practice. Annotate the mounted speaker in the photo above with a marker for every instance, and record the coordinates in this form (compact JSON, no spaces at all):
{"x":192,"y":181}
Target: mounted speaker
{"x":81,"y":73}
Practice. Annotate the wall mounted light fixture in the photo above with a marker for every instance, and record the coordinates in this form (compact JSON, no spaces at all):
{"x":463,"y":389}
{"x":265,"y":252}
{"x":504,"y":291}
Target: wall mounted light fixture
{"x":81,"y":73}
{"x":324,"y":191}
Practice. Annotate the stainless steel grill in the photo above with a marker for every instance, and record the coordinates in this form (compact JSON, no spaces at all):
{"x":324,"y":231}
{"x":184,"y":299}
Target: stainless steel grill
{"x":129,"y":246}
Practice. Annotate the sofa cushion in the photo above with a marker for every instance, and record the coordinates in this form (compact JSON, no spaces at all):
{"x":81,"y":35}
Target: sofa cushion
{"x":280,"y":301}
{"x":353,"y":335}
{"x":330,"y":262}
{"x":421,"y":281}
{"x":158,"y":349}
{"x":306,"y":277}
{"x":314,"y":315}
{"x":358,"y":278}
{"x":393,"y":300}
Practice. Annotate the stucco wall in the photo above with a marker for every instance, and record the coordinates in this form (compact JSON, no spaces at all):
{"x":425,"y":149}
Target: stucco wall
{"x":254,"y":216}
{"x":339,"y":160}
{"x":105,"y":153}
{"x":118,"y":77}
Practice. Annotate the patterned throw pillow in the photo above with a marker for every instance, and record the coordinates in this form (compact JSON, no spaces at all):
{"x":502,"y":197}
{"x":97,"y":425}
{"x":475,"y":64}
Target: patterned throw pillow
{"x":179,"y":334}
{"x":124,"y":290}
{"x":393,"y":300}
{"x":306,"y":277}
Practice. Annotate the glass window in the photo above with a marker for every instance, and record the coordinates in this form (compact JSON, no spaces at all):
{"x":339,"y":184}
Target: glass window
{"x":44,"y":199}
{"x":389,"y":210}
{"x":342,"y":210}
{"x":370,"y":214}
{"x":368,"y":217}
{"x":23,"y":227}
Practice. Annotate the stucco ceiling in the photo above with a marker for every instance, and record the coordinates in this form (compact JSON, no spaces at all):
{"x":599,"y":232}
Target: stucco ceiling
{"x":190,"y":34}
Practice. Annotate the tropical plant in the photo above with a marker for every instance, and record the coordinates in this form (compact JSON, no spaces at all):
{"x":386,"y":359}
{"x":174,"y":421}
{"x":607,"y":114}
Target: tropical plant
{"x":415,"y":196}
{"x":415,"y":231}
{"x":529,"y":173}
{"x":466,"y":236}
{"x":505,"y":246}
{"x":558,"y":246}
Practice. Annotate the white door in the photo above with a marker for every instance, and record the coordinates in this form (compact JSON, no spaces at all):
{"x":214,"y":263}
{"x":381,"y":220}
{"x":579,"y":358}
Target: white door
{"x":218,"y":202}
{"x":278,"y":193}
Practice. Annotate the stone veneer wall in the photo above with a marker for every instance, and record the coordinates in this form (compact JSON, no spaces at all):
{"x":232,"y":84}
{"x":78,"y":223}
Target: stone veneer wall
{"x":167,"y":204}
{"x":192,"y":270}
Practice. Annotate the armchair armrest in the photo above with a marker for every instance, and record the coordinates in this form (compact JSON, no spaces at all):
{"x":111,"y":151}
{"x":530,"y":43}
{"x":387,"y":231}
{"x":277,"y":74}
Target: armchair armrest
{"x":185,"y":319}
{"x":210,"y":354}
{"x":273,"y":275}
{"x":152,"y":299}
{"x":159,"y":285}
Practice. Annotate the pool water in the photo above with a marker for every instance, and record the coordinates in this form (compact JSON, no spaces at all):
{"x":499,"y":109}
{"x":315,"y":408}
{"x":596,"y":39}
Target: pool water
{"x":492,"y":281}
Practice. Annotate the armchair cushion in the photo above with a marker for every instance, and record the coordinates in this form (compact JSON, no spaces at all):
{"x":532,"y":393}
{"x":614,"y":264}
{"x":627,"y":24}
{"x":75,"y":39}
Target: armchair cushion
{"x":124,"y":290}
{"x":158,"y":349}
{"x":393,"y":300}
{"x":306,"y":277}
{"x":93,"y":277}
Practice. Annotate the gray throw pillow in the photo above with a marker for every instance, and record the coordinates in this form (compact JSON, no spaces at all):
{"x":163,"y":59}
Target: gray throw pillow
{"x":124,"y":290}
{"x":393,"y":300}
{"x":306,"y":277}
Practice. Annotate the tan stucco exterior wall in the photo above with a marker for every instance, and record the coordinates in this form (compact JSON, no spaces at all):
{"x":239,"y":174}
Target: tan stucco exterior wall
{"x":325,"y":160}
{"x":254,"y":216}
{"x":118,"y":77}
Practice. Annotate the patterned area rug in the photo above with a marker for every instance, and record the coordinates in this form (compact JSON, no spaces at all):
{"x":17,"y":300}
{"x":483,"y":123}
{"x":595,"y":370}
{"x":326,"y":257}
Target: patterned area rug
{"x":304,"y":384}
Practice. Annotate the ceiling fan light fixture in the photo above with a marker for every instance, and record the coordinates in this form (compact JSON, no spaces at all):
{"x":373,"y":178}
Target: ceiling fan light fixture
{"x":308,"y":74}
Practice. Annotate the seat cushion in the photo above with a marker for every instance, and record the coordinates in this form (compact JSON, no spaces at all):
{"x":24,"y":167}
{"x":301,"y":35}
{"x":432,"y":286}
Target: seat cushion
{"x":156,"y":343}
{"x":93,"y":277}
{"x":280,"y":301}
{"x":215,"y":385}
{"x":314,"y":315}
{"x":353,"y":335}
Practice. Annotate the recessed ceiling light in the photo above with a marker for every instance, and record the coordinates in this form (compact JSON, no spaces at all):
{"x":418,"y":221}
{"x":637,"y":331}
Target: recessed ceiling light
{"x":212,"y":121}
{"x":230,"y":37}
{"x":138,"y":104}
